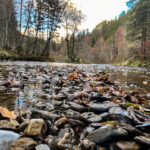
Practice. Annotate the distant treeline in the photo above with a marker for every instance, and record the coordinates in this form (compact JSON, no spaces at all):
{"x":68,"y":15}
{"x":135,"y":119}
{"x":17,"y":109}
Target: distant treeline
{"x":30,"y":27}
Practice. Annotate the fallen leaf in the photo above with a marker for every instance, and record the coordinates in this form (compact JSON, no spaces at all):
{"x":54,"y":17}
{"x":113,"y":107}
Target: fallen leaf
{"x":104,"y":77}
{"x":71,"y":77}
{"x":8,"y":114}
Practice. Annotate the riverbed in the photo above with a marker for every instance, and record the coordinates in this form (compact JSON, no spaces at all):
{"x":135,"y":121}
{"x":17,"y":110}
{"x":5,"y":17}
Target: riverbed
{"x":74,"y":106}
{"x":127,"y":78}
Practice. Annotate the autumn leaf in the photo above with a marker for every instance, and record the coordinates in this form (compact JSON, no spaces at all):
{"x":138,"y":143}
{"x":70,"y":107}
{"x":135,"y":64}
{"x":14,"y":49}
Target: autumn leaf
{"x":71,"y":77}
{"x":8,"y":114}
{"x":100,"y":88}
{"x":117,"y":101}
{"x":104,"y":77}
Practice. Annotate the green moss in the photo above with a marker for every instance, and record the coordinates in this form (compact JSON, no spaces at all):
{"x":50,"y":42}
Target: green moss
{"x":115,"y":123}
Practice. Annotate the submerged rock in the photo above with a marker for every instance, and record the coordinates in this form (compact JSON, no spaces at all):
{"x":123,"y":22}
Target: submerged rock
{"x":7,"y":138}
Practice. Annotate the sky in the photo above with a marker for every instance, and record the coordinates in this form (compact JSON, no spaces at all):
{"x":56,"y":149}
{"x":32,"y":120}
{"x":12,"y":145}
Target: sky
{"x":98,"y":10}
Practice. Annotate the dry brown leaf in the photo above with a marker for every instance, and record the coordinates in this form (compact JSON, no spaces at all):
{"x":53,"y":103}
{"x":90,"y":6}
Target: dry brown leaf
{"x":71,"y":77}
{"x":104,"y":77}
{"x":8,"y":114}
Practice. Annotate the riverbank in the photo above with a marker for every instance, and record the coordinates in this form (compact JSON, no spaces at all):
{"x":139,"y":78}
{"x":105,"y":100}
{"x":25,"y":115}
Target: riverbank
{"x":11,"y":55}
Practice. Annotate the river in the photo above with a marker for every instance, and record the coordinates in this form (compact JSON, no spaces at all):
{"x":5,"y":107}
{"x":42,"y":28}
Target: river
{"x":127,"y":78}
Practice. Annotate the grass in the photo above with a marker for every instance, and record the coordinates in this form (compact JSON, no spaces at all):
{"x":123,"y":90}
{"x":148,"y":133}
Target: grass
{"x":11,"y":55}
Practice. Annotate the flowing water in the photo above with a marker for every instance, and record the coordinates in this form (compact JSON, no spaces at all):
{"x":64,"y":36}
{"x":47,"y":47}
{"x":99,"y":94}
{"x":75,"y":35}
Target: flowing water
{"x":127,"y":78}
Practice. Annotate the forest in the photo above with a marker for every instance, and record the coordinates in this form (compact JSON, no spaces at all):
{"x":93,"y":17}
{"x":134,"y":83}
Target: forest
{"x":30,"y":29}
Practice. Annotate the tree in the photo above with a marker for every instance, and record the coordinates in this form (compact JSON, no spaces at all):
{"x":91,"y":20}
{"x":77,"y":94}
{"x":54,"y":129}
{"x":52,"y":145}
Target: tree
{"x":139,"y":22}
{"x":72,"y":19}
{"x":8,"y":23}
{"x":53,"y":10}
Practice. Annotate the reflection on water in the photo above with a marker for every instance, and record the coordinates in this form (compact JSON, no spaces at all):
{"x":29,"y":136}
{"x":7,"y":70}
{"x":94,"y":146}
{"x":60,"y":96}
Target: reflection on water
{"x":128,"y":78}
{"x":8,"y":100}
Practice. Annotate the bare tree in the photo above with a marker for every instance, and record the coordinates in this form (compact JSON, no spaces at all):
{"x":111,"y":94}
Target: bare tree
{"x":54,"y":12}
{"x":72,"y":19}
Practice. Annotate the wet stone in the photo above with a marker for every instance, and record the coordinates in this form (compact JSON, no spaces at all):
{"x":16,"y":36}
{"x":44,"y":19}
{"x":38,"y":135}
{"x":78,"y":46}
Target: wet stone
{"x":61,"y":122}
{"x":46,"y":97}
{"x":42,"y":147}
{"x":59,"y":97}
{"x":23,"y":144}
{"x":91,"y":117}
{"x":86,"y":144}
{"x":127,"y":145}
{"x":75,"y":123}
{"x":118,"y":110}
{"x":45,"y":115}
{"x":101,"y":107}
{"x":7,"y":138}
{"x":143,"y":139}
{"x":5,"y":124}
{"x":34,"y":127}
{"x":106,"y":133}
{"x":77,"y":107}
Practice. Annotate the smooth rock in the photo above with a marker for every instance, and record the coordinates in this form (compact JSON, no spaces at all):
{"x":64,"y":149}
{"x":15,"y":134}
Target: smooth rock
{"x":61,"y":122}
{"x":75,"y":115}
{"x":45,"y":115}
{"x":34,"y":127}
{"x":143,"y":139}
{"x":91,"y":117}
{"x":59,"y":97}
{"x":106,"y":133}
{"x":86,"y":144}
{"x":65,"y":138}
{"x":75,"y":123}
{"x":23,"y":144}
{"x":7,"y":138}
{"x":127,"y":145}
{"x":42,"y":147}
{"x":101,"y":107}
{"x":46,"y":97}
{"x":77,"y":107}
{"x":118,"y":110}
{"x":52,"y":142}
{"x":5,"y":124}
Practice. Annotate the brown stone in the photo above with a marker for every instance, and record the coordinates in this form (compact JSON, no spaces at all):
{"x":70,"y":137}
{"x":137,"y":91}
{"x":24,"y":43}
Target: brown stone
{"x":34,"y":127}
{"x":23,"y":144}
